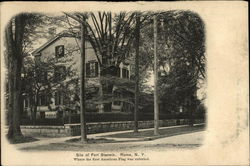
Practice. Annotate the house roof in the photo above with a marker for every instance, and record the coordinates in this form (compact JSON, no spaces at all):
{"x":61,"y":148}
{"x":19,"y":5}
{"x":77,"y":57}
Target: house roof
{"x":52,"y":40}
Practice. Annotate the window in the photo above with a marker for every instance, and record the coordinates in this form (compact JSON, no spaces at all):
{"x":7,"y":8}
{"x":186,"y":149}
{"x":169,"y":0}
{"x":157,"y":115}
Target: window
{"x":42,"y":100}
{"x":91,"y":69}
{"x":58,"y":98}
{"x":117,"y":96}
{"x":125,"y":73}
{"x":59,"y":51}
{"x":60,"y":73}
{"x":26,"y":103}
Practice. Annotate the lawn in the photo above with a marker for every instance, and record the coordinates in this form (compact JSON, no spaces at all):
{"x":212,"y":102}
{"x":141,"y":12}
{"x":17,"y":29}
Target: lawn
{"x":162,"y":132}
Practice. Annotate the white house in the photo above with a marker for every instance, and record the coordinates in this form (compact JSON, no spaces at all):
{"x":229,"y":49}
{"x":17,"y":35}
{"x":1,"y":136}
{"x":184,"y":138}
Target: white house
{"x":65,"y":48}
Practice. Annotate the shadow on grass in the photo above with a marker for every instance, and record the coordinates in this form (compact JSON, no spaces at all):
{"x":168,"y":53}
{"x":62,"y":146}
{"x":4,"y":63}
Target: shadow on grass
{"x":91,"y":140}
{"x":21,"y":139}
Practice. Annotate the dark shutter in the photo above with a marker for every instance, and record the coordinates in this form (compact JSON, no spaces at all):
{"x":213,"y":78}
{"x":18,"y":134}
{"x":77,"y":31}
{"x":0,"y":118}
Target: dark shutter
{"x":62,"y":53}
{"x":96,"y":69}
{"x":119,"y":72}
{"x":56,"y":98}
{"x":87,"y":69}
{"x":59,"y":51}
{"x":127,"y":75}
{"x":56,"y":51}
{"x":123,"y":73}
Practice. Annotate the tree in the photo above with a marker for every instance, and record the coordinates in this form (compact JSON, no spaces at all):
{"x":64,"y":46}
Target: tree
{"x":20,"y":33}
{"x":137,"y":78}
{"x":82,"y":82}
{"x":111,"y":36}
{"x":183,"y":63}
{"x":41,"y":79}
{"x":16,"y":36}
{"x":181,"y":53}
{"x":156,"y":103}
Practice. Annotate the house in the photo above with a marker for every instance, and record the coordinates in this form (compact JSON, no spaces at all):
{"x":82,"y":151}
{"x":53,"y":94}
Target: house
{"x":64,"y":49}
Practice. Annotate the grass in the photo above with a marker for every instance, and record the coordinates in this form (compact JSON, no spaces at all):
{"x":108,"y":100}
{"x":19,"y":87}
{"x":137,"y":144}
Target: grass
{"x":162,"y":132}
{"x":22,"y":139}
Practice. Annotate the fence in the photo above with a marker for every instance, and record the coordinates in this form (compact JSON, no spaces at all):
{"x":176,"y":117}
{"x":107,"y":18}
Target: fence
{"x":103,"y":117}
{"x":75,"y":129}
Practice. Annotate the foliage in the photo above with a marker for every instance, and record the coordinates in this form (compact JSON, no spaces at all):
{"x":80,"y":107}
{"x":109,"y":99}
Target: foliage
{"x":183,"y":65}
{"x":181,"y":54}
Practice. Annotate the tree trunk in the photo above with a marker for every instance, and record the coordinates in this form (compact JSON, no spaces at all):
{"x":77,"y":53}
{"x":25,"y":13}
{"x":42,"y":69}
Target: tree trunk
{"x":34,"y":114}
{"x":14,"y":33}
{"x":107,"y":88}
{"x":137,"y":77}
{"x":82,"y":85}
{"x":14,"y":102}
{"x":156,"y":106}
{"x":33,"y":106}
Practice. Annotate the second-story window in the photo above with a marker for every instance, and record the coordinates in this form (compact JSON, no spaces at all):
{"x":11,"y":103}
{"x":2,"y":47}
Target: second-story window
{"x":92,"y":69}
{"x":59,"y":73}
{"x":59,"y":51}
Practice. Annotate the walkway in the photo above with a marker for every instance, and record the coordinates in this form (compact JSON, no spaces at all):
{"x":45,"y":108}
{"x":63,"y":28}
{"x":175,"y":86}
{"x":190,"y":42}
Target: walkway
{"x":189,"y":137}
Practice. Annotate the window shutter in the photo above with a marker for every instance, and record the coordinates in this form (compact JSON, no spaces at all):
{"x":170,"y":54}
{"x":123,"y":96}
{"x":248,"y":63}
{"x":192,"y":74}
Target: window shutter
{"x":96,"y":69}
{"x":56,"y":52}
{"x":62,"y":53}
{"x":127,"y":73}
{"x":56,"y":98}
{"x":119,"y":72}
{"x":59,"y":51}
{"x":87,"y":69}
{"x":123,"y":73}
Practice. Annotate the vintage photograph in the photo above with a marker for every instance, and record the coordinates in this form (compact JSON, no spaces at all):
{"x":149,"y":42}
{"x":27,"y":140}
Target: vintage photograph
{"x":84,"y":75}
{"x":105,"y":85}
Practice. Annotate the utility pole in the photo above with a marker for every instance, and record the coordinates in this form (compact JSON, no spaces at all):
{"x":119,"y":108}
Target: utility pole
{"x":82,"y":84}
{"x":137,"y":77}
{"x":156,"y":107}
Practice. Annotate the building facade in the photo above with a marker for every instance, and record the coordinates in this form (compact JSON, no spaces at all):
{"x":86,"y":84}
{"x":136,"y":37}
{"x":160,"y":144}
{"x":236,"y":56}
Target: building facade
{"x":65,"y":52}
